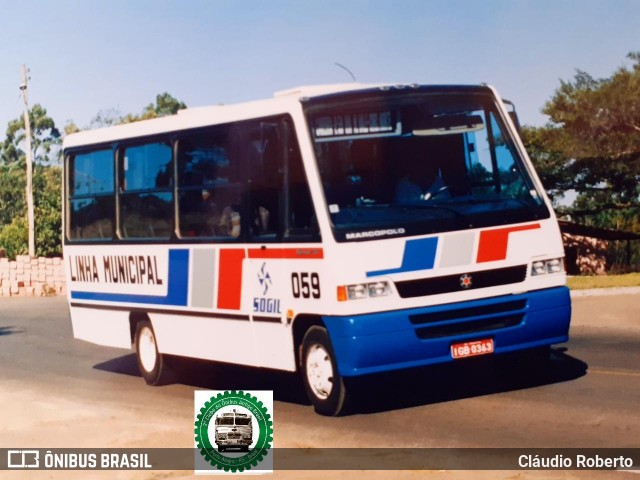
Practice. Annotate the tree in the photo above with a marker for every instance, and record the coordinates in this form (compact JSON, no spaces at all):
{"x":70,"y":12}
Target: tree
{"x":12,"y":190}
{"x":592,"y":142}
{"x":14,"y":237}
{"x":105,"y":118}
{"x":48,"y":210}
{"x":551,"y":165}
{"x":165,"y":105}
{"x":44,"y":142}
{"x":45,"y":151}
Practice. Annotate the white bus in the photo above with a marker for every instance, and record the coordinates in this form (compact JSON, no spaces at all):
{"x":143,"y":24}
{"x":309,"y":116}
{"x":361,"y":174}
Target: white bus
{"x":339,"y":231}
{"x":233,"y":429}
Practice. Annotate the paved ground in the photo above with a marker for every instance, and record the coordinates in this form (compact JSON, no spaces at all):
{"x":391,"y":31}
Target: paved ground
{"x":59,"y":392}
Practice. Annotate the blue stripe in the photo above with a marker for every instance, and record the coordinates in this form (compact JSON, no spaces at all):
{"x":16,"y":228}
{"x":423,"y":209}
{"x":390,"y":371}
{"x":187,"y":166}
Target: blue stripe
{"x":177,"y":287}
{"x":418,"y":255}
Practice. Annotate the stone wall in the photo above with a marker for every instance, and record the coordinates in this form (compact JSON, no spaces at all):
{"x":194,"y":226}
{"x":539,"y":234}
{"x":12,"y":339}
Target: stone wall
{"x":585,"y":255}
{"x":26,"y":276}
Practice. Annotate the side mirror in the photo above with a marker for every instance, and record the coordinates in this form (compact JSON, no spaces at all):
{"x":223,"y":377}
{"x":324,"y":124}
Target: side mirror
{"x":511,"y":110}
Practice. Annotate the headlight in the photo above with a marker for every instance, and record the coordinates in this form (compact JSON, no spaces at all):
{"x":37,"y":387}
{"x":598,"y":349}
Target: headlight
{"x":542,"y":267}
{"x":363,"y":290}
{"x":356,"y":292}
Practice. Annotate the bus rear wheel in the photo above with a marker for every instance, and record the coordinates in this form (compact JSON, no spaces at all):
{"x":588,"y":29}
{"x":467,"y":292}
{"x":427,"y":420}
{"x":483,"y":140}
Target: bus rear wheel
{"x":153,"y":365}
{"x":323,"y":383}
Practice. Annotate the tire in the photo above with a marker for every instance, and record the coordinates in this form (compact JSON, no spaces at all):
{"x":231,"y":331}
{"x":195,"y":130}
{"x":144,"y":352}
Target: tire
{"x":153,"y":365}
{"x":220,"y":448}
{"x":323,"y":383}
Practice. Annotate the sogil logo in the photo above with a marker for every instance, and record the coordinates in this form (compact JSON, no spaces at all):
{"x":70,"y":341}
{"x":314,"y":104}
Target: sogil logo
{"x":264,"y":278}
{"x":263,"y":304}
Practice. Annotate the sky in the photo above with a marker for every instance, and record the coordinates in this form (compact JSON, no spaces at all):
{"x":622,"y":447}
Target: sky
{"x":89,"y":56}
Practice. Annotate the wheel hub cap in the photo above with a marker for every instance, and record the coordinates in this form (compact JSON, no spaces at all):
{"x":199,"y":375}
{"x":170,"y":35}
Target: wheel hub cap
{"x":319,"y":371}
{"x":147,"y":346}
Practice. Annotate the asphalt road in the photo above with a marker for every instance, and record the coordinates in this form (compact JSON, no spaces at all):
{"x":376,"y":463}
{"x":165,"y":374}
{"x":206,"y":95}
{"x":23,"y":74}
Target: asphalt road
{"x":59,"y":392}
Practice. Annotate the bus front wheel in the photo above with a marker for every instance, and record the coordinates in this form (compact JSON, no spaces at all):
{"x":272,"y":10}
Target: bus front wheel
{"x":152,"y":364}
{"x":323,"y":383}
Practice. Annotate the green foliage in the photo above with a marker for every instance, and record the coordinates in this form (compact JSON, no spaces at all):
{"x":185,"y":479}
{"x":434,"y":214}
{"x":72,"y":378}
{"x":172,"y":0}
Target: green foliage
{"x":12,"y":193}
{"x":47,"y":206}
{"x":14,"y":237}
{"x":166,"y":104}
{"x":45,"y":138}
{"x":551,"y":165}
{"x":592,"y":143}
{"x":70,"y":127}
{"x":46,"y":186}
{"x":48,"y":210}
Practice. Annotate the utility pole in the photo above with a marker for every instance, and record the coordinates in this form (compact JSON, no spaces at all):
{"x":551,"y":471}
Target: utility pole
{"x":27,"y":144}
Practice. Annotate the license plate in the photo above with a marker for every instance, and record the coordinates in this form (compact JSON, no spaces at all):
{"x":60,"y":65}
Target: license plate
{"x":471,"y":349}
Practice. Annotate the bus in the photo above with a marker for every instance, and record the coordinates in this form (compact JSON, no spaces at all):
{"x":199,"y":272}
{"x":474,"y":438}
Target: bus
{"x":336,"y":231}
{"x":233,"y":429}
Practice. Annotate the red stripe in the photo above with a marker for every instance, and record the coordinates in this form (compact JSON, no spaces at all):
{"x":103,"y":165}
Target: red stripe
{"x":230,"y":278}
{"x":493,"y":243}
{"x":289,"y":253}
{"x":230,"y":271}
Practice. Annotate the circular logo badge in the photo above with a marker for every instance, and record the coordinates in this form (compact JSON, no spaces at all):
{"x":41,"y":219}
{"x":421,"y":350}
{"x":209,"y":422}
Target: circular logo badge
{"x":465,"y":281}
{"x":215,"y":416}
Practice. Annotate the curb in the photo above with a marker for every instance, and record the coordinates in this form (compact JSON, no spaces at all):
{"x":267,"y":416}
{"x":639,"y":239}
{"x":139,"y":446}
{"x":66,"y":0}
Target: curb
{"x":599,"y":292}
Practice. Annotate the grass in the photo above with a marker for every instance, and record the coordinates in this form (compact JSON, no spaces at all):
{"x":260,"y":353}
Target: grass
{"x":604,"y":281}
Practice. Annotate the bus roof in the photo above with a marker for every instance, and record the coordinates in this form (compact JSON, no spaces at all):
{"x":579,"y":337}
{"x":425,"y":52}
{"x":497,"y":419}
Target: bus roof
{"x":281,"y":102}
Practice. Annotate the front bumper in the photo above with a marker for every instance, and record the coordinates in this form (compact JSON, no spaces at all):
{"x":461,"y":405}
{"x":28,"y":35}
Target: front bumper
{"x":384,"y":341}
{"x":229,"y":442}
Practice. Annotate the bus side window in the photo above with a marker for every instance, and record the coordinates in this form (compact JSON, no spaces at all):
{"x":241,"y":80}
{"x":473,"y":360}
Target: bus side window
{"x":91,"y":195}
{"x":265,"y":169}
{"x":280,"y":204}
{"x":210,"y":187}
{"x":301,"y":222}
{"x":146,"y":191}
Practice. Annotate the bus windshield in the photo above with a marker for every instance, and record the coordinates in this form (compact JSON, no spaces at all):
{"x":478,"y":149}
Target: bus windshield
{"x":230,"y":420}
{"x":419,"y":163}
{"x":224,"y":421}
